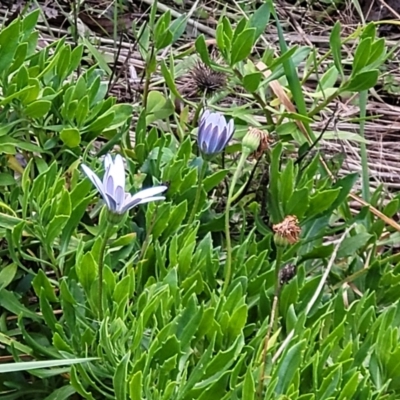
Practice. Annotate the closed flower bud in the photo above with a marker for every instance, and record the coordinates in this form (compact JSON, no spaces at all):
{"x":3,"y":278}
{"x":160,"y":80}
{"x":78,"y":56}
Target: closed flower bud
{"x":252,"y":139}
{"x":255,"y":141}
{"x":214,"y":133}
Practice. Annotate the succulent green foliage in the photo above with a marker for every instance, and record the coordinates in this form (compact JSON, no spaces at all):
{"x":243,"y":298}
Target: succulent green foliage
{"x":169,"y":330}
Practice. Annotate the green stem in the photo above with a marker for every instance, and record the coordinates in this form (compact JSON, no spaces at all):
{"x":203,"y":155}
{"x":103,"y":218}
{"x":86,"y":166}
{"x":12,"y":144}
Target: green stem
{"x":102,"y":255}
{"x":202,"y":172}
{"x":278,"y":262}
{"x":274,"y":312}
{"x":363,"y":147}
{"x":228,"y":262}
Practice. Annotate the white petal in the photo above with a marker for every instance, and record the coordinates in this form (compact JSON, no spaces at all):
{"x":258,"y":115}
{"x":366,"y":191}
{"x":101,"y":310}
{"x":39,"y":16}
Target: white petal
{"x":93,"y":177}
{"x":140,"y":197}
{"x":155,"y":198}
{"x":230,"y":128}
{"x":96,"y":181}
{"x":135,"y":201}
{"x":118,"y":173}
{"x":205,"y":115}
{"x":108,"y":162}
{"x":119,"y":198}
{"x":151,"y":191}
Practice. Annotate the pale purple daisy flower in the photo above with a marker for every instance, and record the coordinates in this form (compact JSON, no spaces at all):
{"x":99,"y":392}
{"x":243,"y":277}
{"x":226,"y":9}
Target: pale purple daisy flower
{"x":112,"y":188}
{"x":214,"y":133}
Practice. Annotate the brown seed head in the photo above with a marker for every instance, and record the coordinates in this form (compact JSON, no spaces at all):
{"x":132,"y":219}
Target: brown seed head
{"x":202,"y":79}
{"x":287,"y":231}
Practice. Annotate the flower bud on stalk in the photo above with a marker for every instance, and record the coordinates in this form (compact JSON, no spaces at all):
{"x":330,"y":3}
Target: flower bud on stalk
{"x":287,"y":232}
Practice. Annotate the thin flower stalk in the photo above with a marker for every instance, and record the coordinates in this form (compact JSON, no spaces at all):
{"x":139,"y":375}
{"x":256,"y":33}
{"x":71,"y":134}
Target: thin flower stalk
{"x":228,"y":262}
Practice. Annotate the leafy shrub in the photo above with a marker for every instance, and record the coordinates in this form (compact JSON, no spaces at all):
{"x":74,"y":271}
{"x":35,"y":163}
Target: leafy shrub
{"x":206,"y":294}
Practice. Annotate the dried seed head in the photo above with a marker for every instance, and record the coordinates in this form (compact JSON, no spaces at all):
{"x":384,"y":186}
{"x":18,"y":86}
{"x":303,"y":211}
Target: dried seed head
{"x":287,"y":231}
{"x":201,"y":79}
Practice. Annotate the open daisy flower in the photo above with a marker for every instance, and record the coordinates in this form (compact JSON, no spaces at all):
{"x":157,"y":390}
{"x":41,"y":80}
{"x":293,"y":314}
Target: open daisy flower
{"x":112,"y":188}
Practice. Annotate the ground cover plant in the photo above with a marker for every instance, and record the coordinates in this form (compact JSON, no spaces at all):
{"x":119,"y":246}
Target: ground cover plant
{"x":196,"y":241}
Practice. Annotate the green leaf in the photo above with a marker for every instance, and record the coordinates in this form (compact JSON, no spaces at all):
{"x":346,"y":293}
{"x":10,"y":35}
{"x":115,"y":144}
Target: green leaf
{"x":55,"y":227}
{"x":214,"y":180}
{"x":242,"y":46}
{"x":178,"y":27}
{"x":122,"y":290}
{"x":6,"y":179}
{"x":37,"y":109}
{"x":86,"y":270}
{"x":64,"y":206}
{"x":378,"y":54}
{"x":82,"y":112}
{"x":202,"y":49}
{"x":177,"y":215}
{"x":135,"y":386}
{"x":362,"y":81}
{"x":98,"y":56}
{"x":10,"y":302}
{"x":351,"y":244}
{"x":361,"y":56}
{"x":260,"y":18}
{"x":298,"y":203}
{"x":9,"y":40}
{"x":155,"y":101}
{"x":336,"y":46}
{"x":101,"y":123}
{"x":288,"y":366}
{"x":237,"y":321}
{"x":120,"y":378}
{"x":350,"y":387}
{"x":158,"y":107}
{"x":321,"y":201}
{"x":29,"y":365}
{"x":41,"y":281}
{"x":7,"y":275}
{"x":9,"y":222}
{"x":252,"y":81}
{"x":249,"y":387}
{"x":62,"y":393}
{"x":330,"y":383}
{"x":169,"y":79}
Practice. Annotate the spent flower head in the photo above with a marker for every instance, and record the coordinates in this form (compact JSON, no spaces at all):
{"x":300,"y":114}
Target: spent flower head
{"x":255,"y":141}
{"x":214,"y":133}
{"x":112,"y":188}
{"x":287,"y":231}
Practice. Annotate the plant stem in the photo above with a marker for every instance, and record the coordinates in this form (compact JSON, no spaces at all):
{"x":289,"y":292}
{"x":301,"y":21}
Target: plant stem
{"x":147,"y":78}
{"x":274,"y":309}
{"x":363,"y":147}
{"x":228,"y":262}
{"x":278,"y":262}
{"x":102,"y":255}
{"x":202,"y":172}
